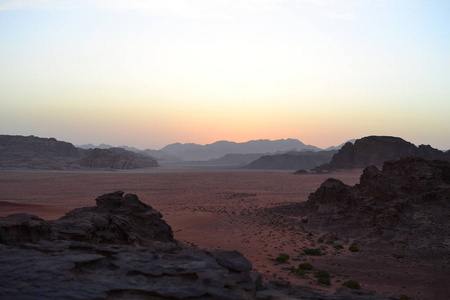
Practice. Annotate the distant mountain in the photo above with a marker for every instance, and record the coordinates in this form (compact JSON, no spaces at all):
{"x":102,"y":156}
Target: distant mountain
{"x":219,"y":149}
{"x":115,"y":158}
{"x":30,"y":152}
{"x":91,"y":146}
{"x":305,"y":160}
{"x":375,"y":150}
{"x":235,"y":160}
{"x":341,"y":145}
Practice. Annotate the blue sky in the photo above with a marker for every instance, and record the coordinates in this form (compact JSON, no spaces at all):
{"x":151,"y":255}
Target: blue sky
{"x":149,"y":73}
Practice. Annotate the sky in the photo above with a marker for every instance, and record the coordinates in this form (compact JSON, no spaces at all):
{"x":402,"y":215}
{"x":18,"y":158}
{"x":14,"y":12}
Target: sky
{"x":150,"y":73}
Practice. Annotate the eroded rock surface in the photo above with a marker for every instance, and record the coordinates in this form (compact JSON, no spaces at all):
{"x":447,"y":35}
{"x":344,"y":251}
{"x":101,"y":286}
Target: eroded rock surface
{"x":117,"y":219}
{"x":406,"y":204}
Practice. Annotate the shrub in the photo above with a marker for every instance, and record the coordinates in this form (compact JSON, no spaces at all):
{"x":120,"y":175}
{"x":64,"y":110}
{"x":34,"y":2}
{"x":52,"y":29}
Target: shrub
{"x":310,"y":251}
{"x":352,"y":284}
{"x":398,"y":255}
{"x":305,"y":266}
{"x":322,"y":273}
{"x":404,"y":297}
{"x":338,"y":246}
{"x":353,"y":248}
{"x":283,"y":258}
{"x":323,"y":277}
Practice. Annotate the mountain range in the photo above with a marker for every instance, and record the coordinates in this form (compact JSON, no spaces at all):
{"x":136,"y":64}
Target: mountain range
{"x":48,"y":153}
{"x":178,"y":152}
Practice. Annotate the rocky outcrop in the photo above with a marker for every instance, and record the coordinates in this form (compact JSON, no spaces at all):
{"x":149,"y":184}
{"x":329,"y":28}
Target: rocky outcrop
{"x":116,"y":219}
{"x":121,"y":248}
{"x":30,"y":152}
{"x":406,"y":203}
{"x":375,"y":150}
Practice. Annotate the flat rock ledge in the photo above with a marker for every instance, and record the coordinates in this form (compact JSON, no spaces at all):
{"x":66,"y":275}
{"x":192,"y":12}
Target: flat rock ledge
{"x":122,"y":249}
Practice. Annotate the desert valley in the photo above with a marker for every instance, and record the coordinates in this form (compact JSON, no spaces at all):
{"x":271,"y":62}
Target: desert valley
{"x":377,"y":230}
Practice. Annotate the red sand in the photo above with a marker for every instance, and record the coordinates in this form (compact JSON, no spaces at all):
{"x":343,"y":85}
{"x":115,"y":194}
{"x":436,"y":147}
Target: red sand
{"x":215,"y":209}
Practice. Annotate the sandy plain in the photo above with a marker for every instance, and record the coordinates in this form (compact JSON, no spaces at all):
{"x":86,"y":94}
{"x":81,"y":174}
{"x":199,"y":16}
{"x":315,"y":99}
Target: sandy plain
{"x":225,"y":209}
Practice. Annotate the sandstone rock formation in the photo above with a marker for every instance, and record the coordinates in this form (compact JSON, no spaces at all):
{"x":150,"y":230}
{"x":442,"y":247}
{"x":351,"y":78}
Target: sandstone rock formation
{"x":406,"y":203}
{"x":375,"y":150}
{"x":19,"y":152}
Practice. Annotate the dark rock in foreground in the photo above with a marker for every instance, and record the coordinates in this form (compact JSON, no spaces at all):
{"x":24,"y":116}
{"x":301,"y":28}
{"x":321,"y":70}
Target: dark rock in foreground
{"x":119,"y":249}
{"x":117,"y":219}
{"x":70,"y":270}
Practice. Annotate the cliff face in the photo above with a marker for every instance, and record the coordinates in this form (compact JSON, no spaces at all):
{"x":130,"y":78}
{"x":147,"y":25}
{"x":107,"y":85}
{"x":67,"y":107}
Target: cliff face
{"x":30,"y":152}
{"x":375,"y":150}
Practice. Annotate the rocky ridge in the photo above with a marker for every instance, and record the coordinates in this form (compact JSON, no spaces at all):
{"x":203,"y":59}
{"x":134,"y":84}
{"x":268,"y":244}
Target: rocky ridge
{"x":20,"y":152}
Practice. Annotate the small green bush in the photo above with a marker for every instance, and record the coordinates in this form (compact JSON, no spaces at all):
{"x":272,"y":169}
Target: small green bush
{"x":322,"y":273}
{"x":404,"y":297}
{"x":338,"y":246}
{"x":320,"y":240}
{"x":353,"y":248}
{"x":305,"y":266}
{"x":352,"y":284}
{"x":283,"y":258}
{"x":323,"y":277}
{"x":398,"y":255}
{"x":310,"y":251}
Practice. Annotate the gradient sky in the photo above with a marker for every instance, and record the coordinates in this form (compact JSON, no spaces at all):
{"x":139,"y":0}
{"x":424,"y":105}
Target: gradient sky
{"x":150,"y":73}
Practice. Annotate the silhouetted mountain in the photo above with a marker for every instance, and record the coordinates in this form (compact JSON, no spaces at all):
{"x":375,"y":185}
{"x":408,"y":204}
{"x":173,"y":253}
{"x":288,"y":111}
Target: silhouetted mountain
{"x":158,"y":155}
{"x":115,"y":158}
{"x":91,"y":146}
{"x":235,"y":160}
{"x":375,"y":150}
{"x":341,"y":145}
{"x":47,"y":153}
{"x":292,"y":161}
{"x":219,"y":149}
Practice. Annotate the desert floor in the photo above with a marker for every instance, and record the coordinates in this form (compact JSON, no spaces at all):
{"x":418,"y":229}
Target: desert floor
{"x":225,"y":209}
